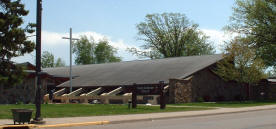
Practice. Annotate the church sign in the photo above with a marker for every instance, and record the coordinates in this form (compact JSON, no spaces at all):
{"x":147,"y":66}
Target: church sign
{"x":148,"y":89}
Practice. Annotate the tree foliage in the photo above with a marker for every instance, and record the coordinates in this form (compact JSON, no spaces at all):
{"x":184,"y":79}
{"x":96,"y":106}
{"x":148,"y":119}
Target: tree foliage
{"x":48,"y":60}
{"x":171,"y":35}
{"x":84,"y":51}
{"x":105,"y":53}
{"x":60,"y":63}
{"x":256,"y":20}
{"x":241,"y":63}
{"x":89,"y":52}
{"x":13,"y":40}
{"x":272,"y":72}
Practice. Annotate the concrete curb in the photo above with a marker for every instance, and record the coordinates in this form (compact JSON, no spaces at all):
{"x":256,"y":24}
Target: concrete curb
{"x":74,"y":124}
{"x":18,"y":126}
{"x":56,"y":125}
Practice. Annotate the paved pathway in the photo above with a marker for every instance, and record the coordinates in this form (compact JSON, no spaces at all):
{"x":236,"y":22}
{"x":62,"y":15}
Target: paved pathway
{"x":264,"y":119}
{"x":149,"y":116}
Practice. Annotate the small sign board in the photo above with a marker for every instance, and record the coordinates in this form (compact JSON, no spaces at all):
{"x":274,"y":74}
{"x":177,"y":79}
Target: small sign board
{"x":148,"y":90}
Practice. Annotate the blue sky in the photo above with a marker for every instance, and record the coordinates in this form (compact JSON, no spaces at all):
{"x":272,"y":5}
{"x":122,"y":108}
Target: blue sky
{"x":116,"y":20}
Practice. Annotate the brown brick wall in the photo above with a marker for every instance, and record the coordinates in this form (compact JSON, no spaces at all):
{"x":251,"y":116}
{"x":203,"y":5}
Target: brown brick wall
{"x":180,"y":91}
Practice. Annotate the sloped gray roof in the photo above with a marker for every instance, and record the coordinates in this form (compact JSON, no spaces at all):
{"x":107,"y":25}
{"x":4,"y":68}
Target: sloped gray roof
{"x":140,"y":72}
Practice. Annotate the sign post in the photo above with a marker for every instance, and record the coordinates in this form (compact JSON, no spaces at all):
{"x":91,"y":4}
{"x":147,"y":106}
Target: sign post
{"x":134,"y":96}
{"x":162,"y":96}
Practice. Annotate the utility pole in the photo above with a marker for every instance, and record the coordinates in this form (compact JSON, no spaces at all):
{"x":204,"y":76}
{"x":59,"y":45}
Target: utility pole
{"x":71,"y":39}
{"x":38,"y":118}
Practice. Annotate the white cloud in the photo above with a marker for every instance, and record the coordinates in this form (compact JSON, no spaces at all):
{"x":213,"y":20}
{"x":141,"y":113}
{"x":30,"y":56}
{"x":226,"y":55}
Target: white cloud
{"x":53,"y":42}
{"x":218,"y":38}
{"x":96,"y":36}
{"x":53,"y":38}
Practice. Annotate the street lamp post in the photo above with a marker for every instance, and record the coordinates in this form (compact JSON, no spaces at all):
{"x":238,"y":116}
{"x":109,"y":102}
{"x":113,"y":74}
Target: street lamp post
{"x":38,"y":117}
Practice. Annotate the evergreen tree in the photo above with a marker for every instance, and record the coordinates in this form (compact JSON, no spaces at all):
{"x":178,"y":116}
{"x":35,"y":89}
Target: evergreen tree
{"x":13,"y":40}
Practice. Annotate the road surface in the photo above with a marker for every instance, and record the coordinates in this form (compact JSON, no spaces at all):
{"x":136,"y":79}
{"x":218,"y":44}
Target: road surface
{"x":248,"y":120}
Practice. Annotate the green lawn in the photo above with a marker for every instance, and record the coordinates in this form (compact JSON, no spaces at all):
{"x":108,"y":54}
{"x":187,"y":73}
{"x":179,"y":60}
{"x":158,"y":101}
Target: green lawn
{"x":74,"y":110}
{"x":235,"y":104}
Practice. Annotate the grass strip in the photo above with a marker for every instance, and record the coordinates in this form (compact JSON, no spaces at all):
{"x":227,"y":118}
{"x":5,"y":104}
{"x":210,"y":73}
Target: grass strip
{"x":75,"y":110}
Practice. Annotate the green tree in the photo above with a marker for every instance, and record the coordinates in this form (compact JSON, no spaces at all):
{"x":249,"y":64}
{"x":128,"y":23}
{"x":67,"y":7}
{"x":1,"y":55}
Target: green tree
{"x":256,"y":21}
{"x":84,"y":51}
{"x":241,"y":63}
{"x":60,"y":63}
{"x":171,"y":35}
{"x":105,"y":53}
{"x":272,"y":72}
{"x":47,"y":60}
{"x":89,"y":52}
{"x":13,"y":40}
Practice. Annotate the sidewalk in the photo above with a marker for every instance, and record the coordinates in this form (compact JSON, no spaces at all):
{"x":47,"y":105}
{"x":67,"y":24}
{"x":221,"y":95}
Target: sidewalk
{"x":149,"y":116}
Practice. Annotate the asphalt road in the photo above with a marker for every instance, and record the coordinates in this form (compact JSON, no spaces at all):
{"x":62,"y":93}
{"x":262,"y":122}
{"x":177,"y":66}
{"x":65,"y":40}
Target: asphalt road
{"x":247,"y":120}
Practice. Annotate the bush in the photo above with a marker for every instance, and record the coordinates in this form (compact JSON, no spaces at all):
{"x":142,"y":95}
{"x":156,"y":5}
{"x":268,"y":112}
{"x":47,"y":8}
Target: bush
{"x":200,"y":99}
{"x":206,"y":98}
{"x":19,"y":102}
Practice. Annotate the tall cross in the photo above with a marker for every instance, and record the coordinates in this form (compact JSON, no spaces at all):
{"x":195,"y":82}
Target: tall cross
{"x":71,"y":39}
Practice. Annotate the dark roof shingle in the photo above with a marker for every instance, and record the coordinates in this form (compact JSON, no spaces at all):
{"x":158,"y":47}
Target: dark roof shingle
{"x":140,"y":72}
